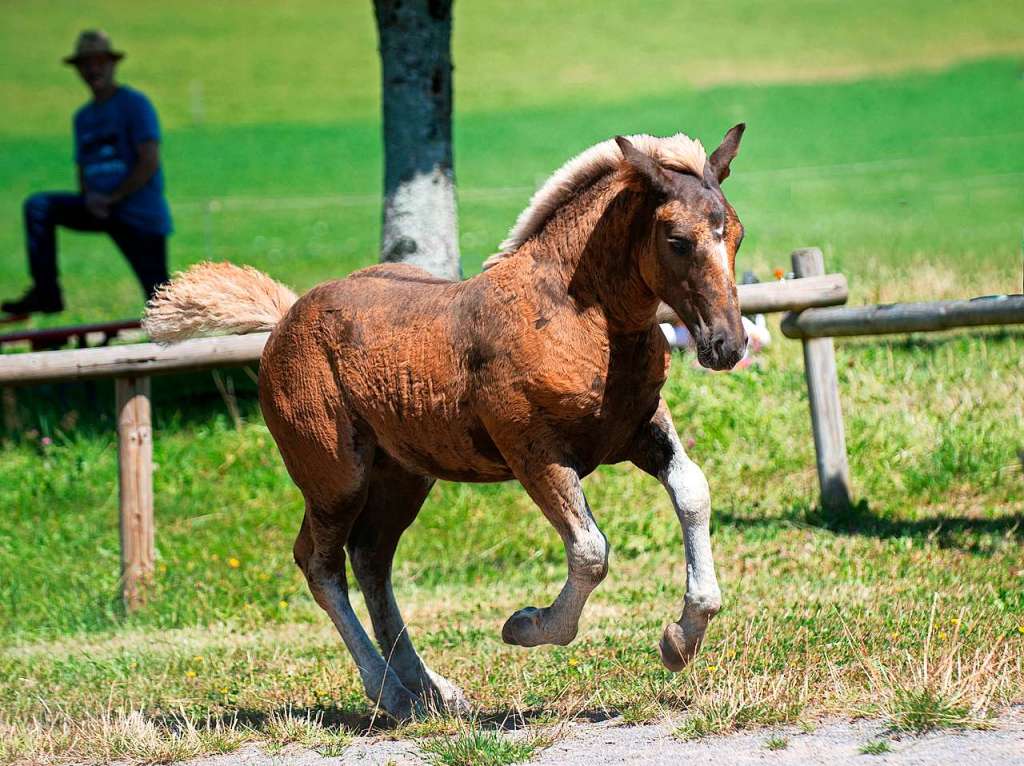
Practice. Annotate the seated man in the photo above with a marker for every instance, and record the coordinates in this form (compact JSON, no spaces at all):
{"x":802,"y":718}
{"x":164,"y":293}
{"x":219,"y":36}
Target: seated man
{"x":121,"y":186}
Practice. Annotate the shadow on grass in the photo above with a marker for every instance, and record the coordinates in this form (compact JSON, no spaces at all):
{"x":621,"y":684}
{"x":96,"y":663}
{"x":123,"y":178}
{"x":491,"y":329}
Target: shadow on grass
{"x":513,"y":720}
{"x":945,"y":531}
{"x":359,"y":720}
{"x":955,"y":532}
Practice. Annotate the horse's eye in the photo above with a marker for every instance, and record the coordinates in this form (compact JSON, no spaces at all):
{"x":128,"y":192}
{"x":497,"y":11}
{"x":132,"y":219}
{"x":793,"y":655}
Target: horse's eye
{"x":681,"y":245}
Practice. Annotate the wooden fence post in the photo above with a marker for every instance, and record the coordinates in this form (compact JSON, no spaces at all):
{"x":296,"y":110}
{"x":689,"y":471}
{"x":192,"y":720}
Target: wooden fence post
{"x":135,"y":472}
{"x":823,"y":395}
{"x":10,"y":405}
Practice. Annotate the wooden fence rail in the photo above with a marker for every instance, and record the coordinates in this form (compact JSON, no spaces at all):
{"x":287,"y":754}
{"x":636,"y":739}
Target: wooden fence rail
{"x":897,"y":318}
{"x":806,"y":296}
{"x":791,"y":295}
{"x":133,"y":360}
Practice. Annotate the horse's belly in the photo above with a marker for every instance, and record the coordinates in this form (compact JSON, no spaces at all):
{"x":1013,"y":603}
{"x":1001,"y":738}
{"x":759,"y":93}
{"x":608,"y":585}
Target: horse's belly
{"x":453,"y":451}
{"x":424,"y":420}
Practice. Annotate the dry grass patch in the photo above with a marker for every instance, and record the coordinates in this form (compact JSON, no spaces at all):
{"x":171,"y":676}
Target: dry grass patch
{"x":747,"y":686}
{"x":140,"y":738}
{"x":308,"y":730}
{"x":945,"y":683}
{"x":117,"y":736}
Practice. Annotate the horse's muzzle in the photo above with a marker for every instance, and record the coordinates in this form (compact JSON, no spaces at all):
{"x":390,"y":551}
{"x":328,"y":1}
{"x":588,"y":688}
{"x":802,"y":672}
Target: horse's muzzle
{"x":722,"y":350}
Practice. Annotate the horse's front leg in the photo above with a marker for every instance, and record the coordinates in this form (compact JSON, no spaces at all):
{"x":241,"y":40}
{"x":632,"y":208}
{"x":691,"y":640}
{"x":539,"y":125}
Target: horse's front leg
{"x":658,"y":452}
{"x":556,"y":490}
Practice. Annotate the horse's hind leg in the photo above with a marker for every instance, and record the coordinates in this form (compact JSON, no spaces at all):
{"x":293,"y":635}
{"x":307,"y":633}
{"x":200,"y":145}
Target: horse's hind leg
{"x":320,"y":553}
{"x":394,"y":497}
{"x":330,"y":457}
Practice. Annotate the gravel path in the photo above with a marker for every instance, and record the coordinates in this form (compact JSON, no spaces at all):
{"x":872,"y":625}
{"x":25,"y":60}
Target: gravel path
{"x":588,"y":744}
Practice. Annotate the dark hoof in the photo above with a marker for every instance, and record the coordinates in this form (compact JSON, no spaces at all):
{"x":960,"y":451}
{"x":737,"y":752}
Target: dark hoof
{"x":676,"y":648}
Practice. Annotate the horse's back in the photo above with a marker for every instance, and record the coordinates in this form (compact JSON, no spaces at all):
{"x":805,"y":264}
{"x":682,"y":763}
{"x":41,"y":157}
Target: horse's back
{"x":351,"y":331}
{"x":400,"y":290}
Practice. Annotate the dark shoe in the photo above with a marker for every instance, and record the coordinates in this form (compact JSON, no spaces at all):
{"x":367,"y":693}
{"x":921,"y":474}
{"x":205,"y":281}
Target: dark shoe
{"x":34,"y":301}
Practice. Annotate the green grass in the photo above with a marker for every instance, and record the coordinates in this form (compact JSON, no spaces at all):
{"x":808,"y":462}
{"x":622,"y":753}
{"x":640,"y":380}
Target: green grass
{"x":895,"y":146}
{"x":892,"y":177}
{"x":223,"y":493}
{"x":472,"y":746}
{"x":315,"y":62}
{"x":875,"y":747}
{"x":776,"y":742}
{"x":921,"y":710}
{"x":915,"y":593}
{"x":822,"y":615}
{"x":927,"y":176}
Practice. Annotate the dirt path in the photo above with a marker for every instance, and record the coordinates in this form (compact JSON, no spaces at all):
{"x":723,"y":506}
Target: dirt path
{"x":586,"y":744}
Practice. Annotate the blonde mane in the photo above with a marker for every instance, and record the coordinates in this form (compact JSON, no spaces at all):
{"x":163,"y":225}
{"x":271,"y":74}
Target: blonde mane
{"x":678,"y":152}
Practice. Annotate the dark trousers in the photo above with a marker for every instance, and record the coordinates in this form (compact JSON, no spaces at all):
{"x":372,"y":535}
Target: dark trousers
{"x":44,"y":212}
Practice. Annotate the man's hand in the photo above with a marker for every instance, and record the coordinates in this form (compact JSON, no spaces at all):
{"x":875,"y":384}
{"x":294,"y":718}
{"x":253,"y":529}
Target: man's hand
{"x":98,"y":204}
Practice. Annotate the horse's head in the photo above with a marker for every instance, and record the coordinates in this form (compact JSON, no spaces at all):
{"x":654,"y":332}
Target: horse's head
{"x":690,"y":263}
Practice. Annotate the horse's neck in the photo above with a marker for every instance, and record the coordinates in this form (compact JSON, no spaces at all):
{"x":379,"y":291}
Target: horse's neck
{"x":591,"y":246}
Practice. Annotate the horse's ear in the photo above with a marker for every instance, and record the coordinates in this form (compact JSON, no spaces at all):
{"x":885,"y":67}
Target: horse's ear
{"x":646,"y":167}
{"x":727,"y":150}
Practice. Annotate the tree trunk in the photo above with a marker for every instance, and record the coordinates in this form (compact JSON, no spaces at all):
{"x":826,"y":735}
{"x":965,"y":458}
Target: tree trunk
{"x":420,"y":224}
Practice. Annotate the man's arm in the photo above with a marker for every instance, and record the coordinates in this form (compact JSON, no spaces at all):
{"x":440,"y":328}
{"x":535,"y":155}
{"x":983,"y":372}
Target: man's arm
{"x":149,"y":161}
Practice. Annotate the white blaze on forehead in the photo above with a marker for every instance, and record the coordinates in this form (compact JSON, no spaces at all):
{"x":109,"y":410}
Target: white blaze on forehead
{"x":723,"y":253}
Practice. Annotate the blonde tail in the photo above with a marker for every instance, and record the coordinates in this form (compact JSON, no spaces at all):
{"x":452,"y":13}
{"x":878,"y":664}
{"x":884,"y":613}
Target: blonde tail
{"x":216,"y":298}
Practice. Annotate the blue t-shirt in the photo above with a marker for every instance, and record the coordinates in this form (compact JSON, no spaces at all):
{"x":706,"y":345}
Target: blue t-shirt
{"x":106,"y":137}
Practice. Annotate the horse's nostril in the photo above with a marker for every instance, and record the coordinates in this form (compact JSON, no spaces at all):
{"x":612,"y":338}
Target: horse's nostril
{"x":723,"y":351}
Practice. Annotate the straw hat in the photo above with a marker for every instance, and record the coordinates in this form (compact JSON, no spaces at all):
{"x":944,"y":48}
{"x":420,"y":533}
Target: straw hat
{"x":93,"y":42}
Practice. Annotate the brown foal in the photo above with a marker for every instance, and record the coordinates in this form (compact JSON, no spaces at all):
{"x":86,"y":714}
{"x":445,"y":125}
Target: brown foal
{"x":546,"y":365}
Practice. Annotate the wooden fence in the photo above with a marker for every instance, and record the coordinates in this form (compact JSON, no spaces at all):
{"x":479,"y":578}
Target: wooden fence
{"x":808,"y":298}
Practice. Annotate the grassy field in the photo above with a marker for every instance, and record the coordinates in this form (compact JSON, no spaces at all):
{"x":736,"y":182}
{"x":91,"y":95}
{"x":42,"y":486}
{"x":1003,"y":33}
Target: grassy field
{"x":912,"y":607}
{"x":919,"y":171}
{"x":887,"y":134}
{"x":313,"y":62}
